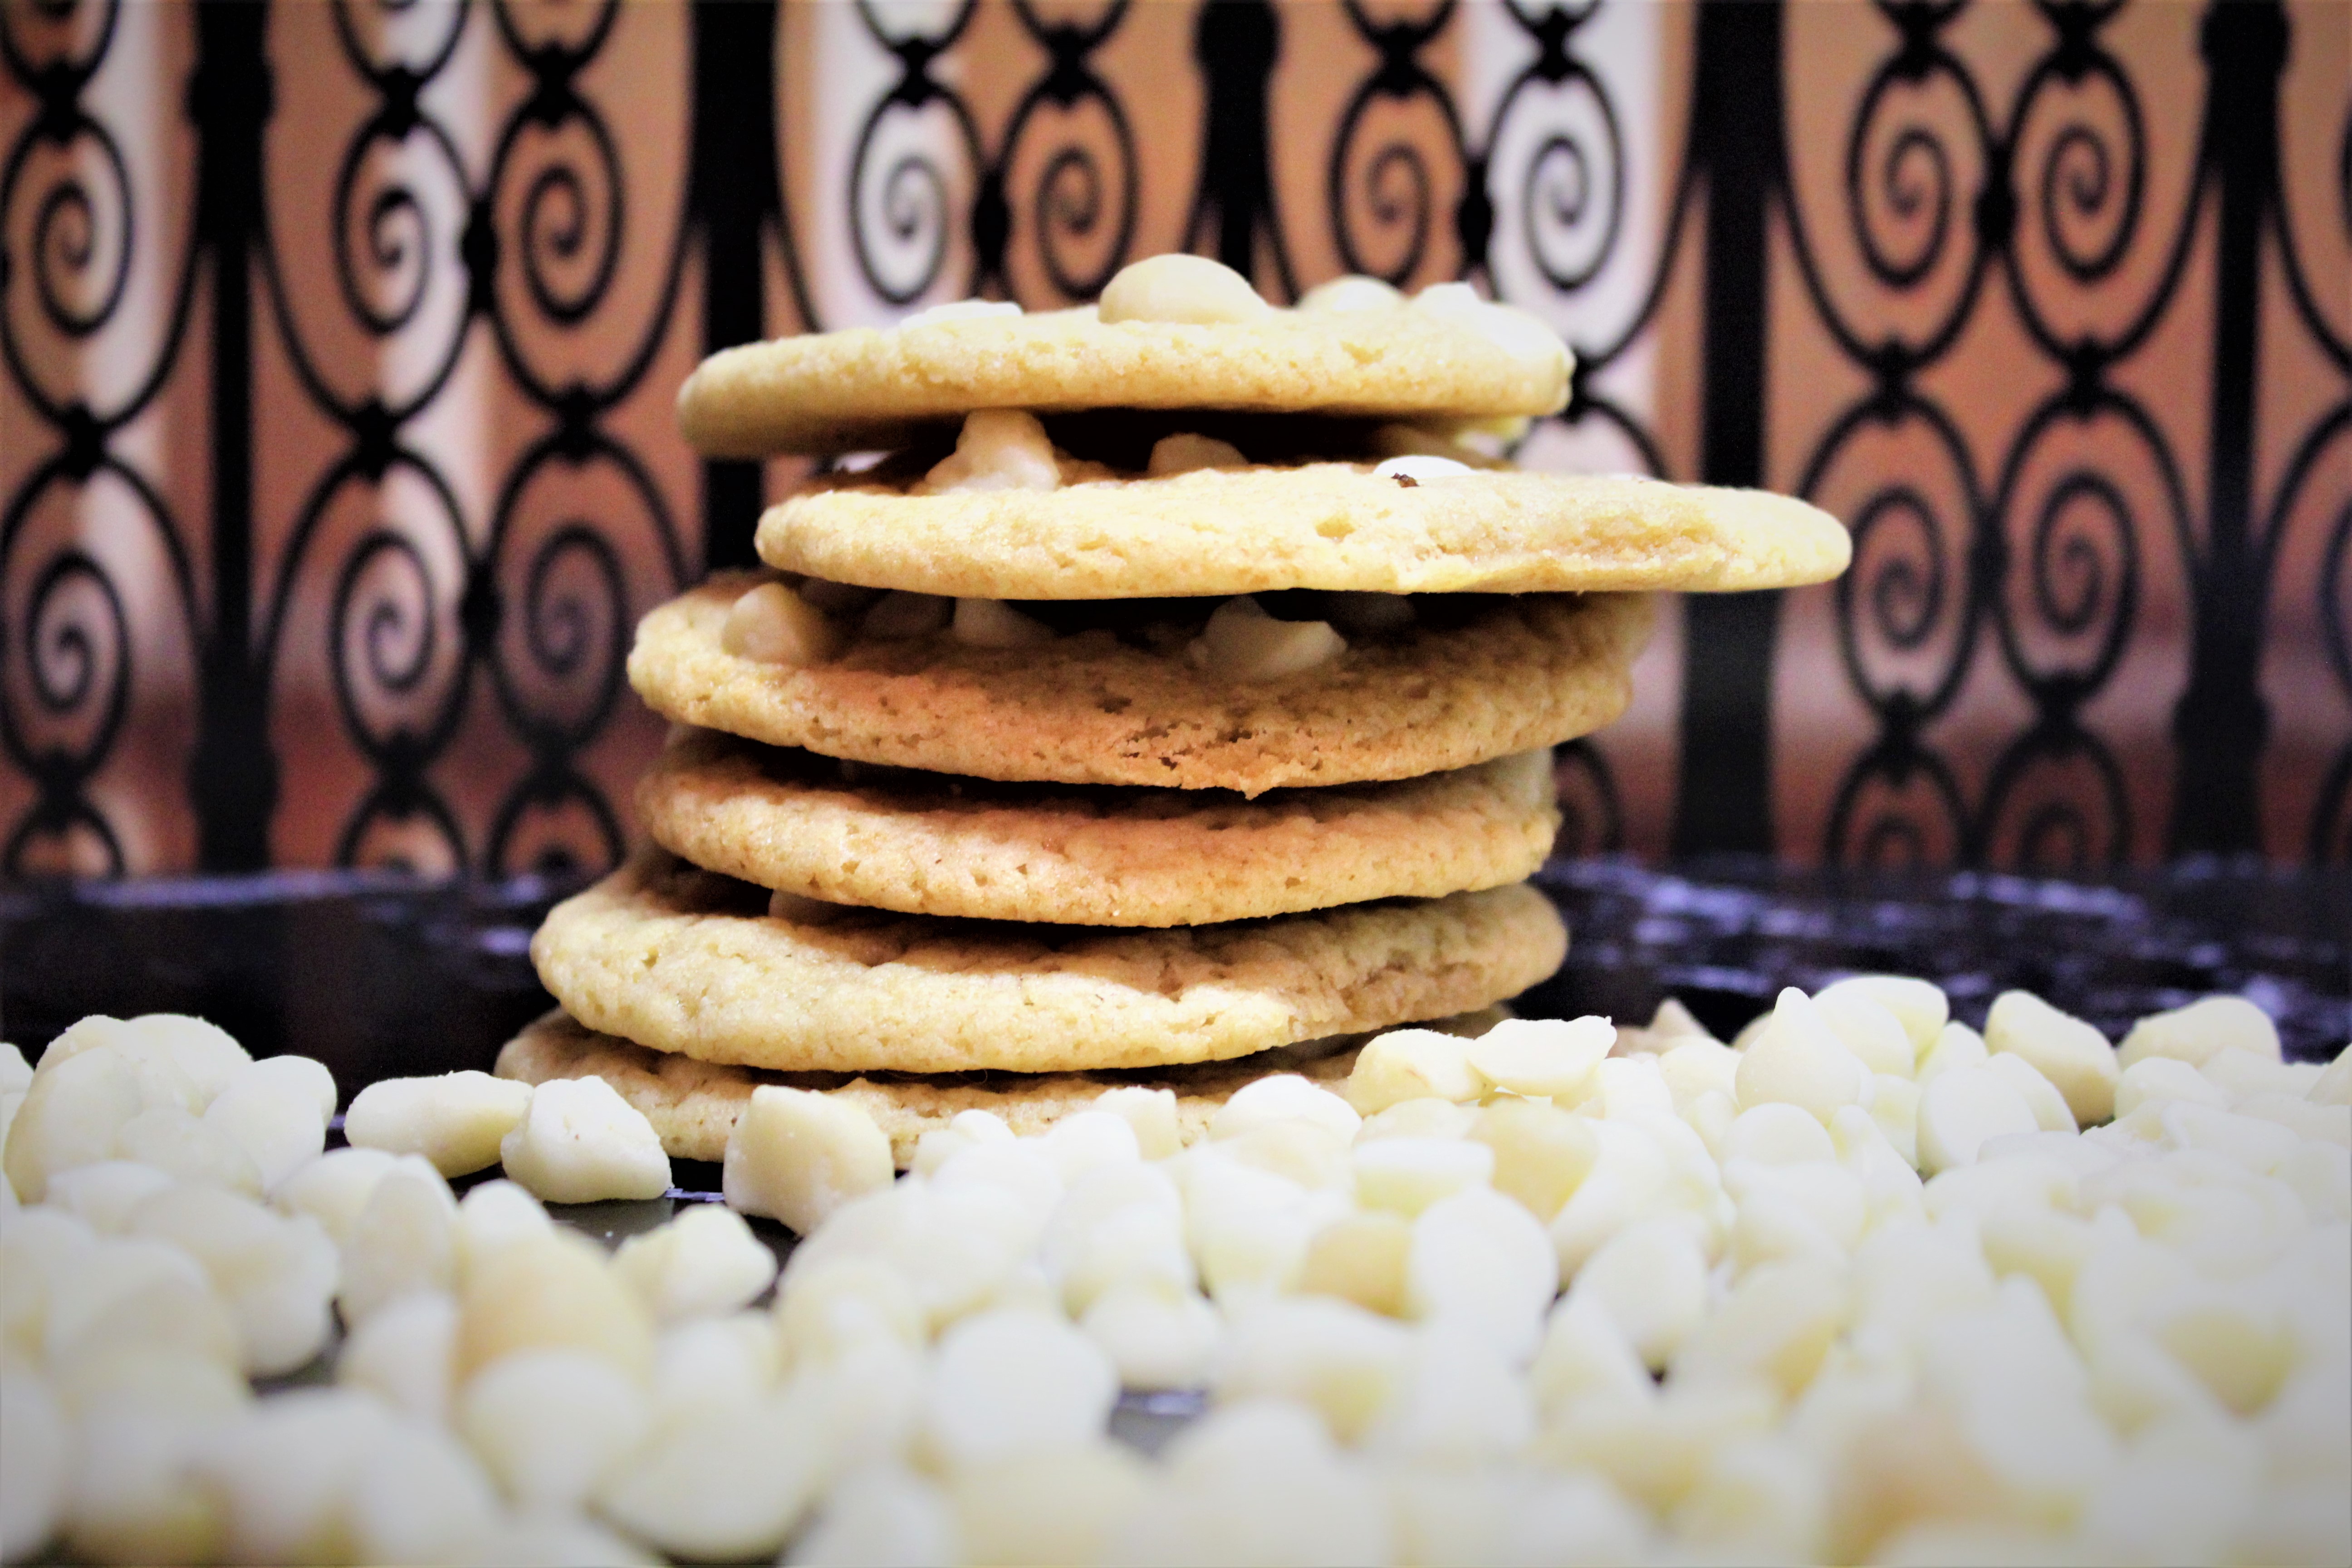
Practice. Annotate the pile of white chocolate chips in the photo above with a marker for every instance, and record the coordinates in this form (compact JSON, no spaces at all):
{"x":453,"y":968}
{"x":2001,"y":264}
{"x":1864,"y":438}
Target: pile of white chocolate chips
{"x":1862,"y":1285}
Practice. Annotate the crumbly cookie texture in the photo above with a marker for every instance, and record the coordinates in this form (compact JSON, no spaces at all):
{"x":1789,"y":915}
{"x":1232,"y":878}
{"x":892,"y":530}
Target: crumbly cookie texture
{"x":1105,"y":856}
{"x":1514,"y":674}
{"x":867,"y":388}
{"x":683,"y":960}
{"x":1324,"y":525}
{"x":694,"y":1105}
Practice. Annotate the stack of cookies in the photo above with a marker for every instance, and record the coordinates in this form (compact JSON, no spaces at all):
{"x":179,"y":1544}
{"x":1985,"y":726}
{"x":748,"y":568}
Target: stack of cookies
{"x":1161,"y":695}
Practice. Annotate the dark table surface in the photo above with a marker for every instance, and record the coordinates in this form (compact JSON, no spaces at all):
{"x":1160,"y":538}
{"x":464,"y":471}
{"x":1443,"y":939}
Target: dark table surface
{"x":378,"y":977}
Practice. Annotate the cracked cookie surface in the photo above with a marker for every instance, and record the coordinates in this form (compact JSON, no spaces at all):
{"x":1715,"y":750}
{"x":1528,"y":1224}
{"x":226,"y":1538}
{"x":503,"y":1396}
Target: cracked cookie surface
{"x":672,"y":957}
{"x":1106,"y":856}
{"x":1511,"y":674}
{"x":694,"y":1105}
{"x":1334,"y":526}
{"x":866,"y":388}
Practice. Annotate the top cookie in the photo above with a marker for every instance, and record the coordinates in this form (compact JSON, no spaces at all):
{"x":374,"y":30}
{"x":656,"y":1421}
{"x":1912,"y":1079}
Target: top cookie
{"x":1198,"y":342}
{"x":1333,"y":526}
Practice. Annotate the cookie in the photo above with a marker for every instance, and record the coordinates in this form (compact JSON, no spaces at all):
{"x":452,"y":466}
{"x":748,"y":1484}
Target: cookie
{"x":694,"y":1105}
{"x":1102,"y":855}
{"x":868,"y":388}
{"x":687,"y":961}
{"x":1501,"y":676}
{"x":1325,"y":525}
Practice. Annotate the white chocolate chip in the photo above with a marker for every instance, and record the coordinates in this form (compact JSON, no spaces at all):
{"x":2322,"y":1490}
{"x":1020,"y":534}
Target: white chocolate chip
{"x":1156,"y":1341}
{"x":274,"y":1274}
{"x":960,"y":310}
{"x":1542,"y":1153}
{"x":772,"y":625}
{"x":1241,"y":642}
{"x":1421,"y":469}
{"x":1542,"y":1057}
{"x":71,"y":1116}
{"x":333,"y":1188}
{"x":1012,"y":1382}
{"x":1330,"y":1355}
{"x":553,"y":1292}
{"x":704,"y":1262}
{"x":1920,"y":1007}
{"x":190,"y":1148}
{"x":993,"y":623}
{"x":2068,"y":1052}
{"x":722,"y":1485}
{"x":706,"y":1361}
{"x":406,"y":1353}
{"x":551,"y":1424}
{"x":1151,"y":1112}
{"x":1482,"y":1261}
{"x":2196,"y":1033}
{"x":880,"y":1514}
{"x":456,"y":1120}
{"x":1052,"y":1507}
{"x":1411,"y":1064}
{"x":1455,"y":1400}
{"x":2051,"y":1113}
{"x":1184,"y":452}
{"x":105,"y":1194}
{"x":276,"y":1124}
{"x":897,"y":616}
{"x":580,"y":1143}
{"x":1799,"y":1061}
{"x":287,"y":1474}
{"x":1424,"y":1116}
{"x":798,"y":1155}
{"x":1281,"y":1097}
{"x":405,"y":1240}
{"x":1519,"y":334}
{"x":1409,"y":1175}
{"x":997,"y":449}
{"x":1650,"y":1279}
{"x":1962,"y":1107}
{"x":420,"y":1497}
{"x":297,"y":1075}
{"x":1867,"y":1029}
{"x":1191,"y":290}
{"x":36,"y":1457}
{"x":1354,"y":292}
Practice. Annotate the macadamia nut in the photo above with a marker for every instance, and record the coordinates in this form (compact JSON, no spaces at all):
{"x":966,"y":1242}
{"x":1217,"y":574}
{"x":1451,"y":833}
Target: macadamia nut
{"x":772,"y":625}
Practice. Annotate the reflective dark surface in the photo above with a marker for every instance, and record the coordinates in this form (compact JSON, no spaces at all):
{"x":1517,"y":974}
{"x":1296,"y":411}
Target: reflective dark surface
{"x":377,"y":976}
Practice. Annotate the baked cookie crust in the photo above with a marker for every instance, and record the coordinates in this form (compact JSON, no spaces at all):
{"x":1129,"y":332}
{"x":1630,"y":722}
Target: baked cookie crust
{"x":868,"y":388}
{"x":694,"y":1105}
{"x":1101,"y":856}
{"x":683,"y":960}
{"x":1322,"y":525}
{"x":1516,"y":674}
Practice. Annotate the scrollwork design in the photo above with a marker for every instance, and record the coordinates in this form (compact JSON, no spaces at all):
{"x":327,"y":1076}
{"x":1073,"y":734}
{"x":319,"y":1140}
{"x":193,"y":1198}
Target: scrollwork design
{"x":1075,"y":199}
{"x":906,"y":198}
{"x":1396,"y":184}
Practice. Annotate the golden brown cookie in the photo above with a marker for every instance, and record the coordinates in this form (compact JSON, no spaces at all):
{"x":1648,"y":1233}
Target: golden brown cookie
{"x":687,"y":961}
{"x":694,"y":1105}
{"x":1102,"y":855}
{"x":866,"y":388}
{"x":1324,"y":525}
{"x":1501,"y":675}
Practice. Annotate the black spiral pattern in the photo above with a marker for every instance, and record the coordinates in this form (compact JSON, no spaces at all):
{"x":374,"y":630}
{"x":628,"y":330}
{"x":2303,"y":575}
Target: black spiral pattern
{"x":1088,"y":192}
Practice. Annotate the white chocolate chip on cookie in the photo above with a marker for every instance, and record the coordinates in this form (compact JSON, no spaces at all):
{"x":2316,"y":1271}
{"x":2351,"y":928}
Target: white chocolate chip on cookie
{"x":960,"y":310}
{"x":772,"y":625}
{"x":1241,"y":642}
{"x":997,"y":449}
{"x":1183,"y":452}
{"x":991,"y":622}
{"x":1353,"y":292}
{"x":1191,"y":290}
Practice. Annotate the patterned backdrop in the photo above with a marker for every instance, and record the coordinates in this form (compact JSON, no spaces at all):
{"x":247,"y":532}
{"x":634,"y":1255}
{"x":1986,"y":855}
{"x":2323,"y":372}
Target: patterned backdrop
{"x":337,"y":461}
